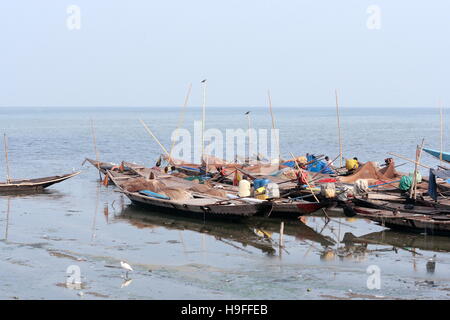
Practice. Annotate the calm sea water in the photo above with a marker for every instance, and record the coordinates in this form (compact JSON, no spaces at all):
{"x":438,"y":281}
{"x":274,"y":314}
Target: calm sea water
{"x":82,"y":223}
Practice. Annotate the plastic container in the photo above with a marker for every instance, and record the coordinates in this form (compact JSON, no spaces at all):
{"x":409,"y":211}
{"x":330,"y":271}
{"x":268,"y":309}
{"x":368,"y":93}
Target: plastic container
{"x":244,"y":188}
{"x":259,"y":183}
{"x":272,"y":190}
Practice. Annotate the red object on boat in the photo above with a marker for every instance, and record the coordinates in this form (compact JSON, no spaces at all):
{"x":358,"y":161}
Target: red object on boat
{"x":309,"y":207}
{"x":302,"y":177}
{"x":328,"y":180}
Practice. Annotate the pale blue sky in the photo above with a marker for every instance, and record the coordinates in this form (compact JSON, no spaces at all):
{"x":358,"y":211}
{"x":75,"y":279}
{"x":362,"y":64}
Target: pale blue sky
{"x":145,"y":53}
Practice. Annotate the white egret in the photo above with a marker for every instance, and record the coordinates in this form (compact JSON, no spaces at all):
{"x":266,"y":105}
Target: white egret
{"x":126,"y":267}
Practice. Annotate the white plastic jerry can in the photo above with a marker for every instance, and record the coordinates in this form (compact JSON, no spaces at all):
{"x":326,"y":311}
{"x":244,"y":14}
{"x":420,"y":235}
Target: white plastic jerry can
{"x":244,"y":188}
{"x":272,"y":190}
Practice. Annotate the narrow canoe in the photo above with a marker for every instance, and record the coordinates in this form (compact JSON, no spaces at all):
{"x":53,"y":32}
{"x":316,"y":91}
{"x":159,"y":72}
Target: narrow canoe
{"x":33,"y":184}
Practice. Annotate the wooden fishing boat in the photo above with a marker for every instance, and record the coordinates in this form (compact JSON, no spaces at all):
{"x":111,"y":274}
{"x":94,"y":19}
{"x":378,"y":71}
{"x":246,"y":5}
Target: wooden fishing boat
{"x":435,"y":224}
{"x":103,"y":167}
{"x":398,"y":206}
{"x":198,"y":206}
{"x":285,"y":208}
{"x":32,"y":185}
{"x":279,"y":208}
{"x":290,"y":208}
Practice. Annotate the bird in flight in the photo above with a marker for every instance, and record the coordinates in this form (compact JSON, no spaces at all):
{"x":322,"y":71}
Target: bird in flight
{"x":247,"y":112}
{"x":203,"y":81}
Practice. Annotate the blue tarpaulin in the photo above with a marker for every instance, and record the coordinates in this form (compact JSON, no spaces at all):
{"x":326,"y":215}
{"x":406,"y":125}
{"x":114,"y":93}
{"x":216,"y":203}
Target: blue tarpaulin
{"x":432,"y":186}
{"x":318,"y":165}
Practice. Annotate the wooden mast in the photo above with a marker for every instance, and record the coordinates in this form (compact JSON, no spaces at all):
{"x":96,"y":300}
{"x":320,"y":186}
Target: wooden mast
{"x":442,"y":131}
{"x":273,"y":124}
{"x":155,"y":138}
{"x":339,"y":128}
{"x":249,"y":136}
{"x":203,"y":119}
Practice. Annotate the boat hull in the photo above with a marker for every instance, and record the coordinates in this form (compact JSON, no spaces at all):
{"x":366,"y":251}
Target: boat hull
{"x":407,"y":222}
{"x":205,"y":212}
{"x":34,"y":185}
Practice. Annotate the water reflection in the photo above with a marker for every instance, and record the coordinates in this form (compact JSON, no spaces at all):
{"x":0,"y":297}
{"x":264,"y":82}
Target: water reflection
{"x":234,"y":234}
{"x":254,"y":232}
{"x":401,"y":240}
{"x":48,"y":194}
{"x":7,"y":218}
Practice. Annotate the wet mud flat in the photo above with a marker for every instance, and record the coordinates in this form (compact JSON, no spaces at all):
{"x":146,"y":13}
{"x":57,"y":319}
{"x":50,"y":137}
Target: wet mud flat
{"x":67,"y":243}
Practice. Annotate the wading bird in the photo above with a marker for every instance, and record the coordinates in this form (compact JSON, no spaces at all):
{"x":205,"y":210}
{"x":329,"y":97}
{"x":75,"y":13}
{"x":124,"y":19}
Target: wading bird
{"x":126,"y":267}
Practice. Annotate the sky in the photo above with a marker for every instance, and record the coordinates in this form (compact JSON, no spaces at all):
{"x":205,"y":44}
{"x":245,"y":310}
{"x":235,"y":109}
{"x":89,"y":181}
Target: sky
{"x":146,"y":52}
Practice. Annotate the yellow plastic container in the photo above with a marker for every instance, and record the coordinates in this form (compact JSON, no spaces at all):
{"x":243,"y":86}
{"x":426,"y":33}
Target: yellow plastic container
{"x":260,"y":193}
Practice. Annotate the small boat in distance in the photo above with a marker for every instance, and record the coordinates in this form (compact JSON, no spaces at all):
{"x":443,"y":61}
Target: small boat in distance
{"x":32,"y":185}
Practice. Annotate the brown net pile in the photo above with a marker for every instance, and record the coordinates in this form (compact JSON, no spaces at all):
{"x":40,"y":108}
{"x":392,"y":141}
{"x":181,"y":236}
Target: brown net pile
{"x":139,"y":184}
{"x":180,"y":175}
{"x":389,"y":171}
{"x":262,"y":169}
{"x":369,"y":171}
{"x":177,"y":194}
{"x":205,"y":189}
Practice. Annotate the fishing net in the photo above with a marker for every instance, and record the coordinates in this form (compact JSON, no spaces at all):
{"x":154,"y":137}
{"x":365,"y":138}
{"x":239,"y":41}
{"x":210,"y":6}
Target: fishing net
{"x":389,"y":171}
{"x":202,"y":188}
{"x":177,"y":194}
{"x":262,"y":169}
{"x":369,"y":171}
{"x":180,"y":175}
{"x":139,"y":184}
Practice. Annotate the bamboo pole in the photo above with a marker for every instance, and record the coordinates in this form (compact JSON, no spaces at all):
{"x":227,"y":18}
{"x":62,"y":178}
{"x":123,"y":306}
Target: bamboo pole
{"x":339,"y":128}
{"x":407,"y":159}
{"x":273,"y":124}
{"x":5,"y":139}
{"x":249,"y":136}
{"x":181,"y":119}
{"x":442,"y":132}
{"x":298,"y":167}
{"x":155,"y":138}
{"x":203,"y":119}
{"x":418,"y":155}
{"x":310,"y":189}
